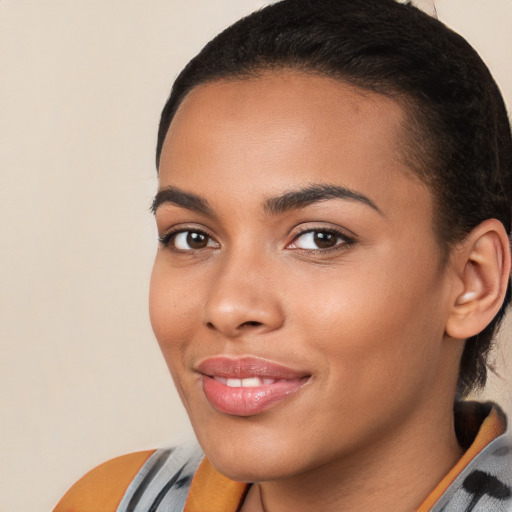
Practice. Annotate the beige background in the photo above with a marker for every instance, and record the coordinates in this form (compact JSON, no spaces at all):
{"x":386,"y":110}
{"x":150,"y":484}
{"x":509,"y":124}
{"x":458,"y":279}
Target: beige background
{"x":81,"y":86}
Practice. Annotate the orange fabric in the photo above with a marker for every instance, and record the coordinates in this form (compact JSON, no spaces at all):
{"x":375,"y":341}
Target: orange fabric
{"x":102,"y":489}
{"x":491,"y":428}
{"x":212,"y":492}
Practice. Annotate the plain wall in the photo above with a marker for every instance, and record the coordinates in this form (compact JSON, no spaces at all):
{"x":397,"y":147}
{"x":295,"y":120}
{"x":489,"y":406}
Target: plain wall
{"x":82,"y":83}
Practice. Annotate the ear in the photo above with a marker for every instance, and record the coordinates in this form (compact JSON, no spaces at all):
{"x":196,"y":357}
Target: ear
{"x":482,"y":267}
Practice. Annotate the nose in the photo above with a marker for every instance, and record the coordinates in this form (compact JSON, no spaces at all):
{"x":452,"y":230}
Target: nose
{"x":243,"y":298}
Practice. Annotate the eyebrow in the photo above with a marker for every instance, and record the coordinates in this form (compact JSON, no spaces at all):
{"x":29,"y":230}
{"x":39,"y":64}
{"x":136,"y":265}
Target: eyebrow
{"x":313,"y":194}
{"x":292,"y":200}
{"x":183,"y":199}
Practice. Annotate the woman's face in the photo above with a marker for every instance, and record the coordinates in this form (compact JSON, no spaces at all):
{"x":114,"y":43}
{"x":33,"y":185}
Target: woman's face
{"x":298,"y":293}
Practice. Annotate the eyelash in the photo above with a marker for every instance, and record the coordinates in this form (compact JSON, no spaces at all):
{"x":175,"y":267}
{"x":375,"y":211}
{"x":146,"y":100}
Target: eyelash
{"x":167,"y":239}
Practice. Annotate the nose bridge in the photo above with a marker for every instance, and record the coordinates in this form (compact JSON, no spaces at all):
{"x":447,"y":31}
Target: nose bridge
{"x":242,"y":296}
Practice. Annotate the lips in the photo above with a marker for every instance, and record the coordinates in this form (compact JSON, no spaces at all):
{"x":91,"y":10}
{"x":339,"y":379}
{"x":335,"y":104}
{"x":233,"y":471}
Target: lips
{"x":248,"y":386}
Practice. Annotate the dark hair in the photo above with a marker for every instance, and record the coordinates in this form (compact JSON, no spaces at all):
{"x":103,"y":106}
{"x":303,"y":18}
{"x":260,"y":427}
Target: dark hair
{"x":458,"y":132}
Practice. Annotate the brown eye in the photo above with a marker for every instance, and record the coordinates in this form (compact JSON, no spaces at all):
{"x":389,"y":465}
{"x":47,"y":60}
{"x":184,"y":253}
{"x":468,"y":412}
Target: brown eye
{"x":192,"y":241}
{"x":324,"y":240}
{"x":196,"y":240}
{"x":318,"y":239}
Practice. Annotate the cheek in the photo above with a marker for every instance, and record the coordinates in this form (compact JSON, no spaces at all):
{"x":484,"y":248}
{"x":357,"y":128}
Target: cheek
{"x":168,"y":308}
{"x":171,"y":306}
{"x":378,"y":321}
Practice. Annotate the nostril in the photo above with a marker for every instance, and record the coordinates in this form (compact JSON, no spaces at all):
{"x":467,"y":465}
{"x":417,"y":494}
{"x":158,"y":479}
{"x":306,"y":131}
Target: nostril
{"x":237,"y":329}
{"x":251,"y":323}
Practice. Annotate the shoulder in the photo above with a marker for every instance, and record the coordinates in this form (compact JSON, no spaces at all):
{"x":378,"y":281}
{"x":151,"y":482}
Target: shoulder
{"x":132,"y":481}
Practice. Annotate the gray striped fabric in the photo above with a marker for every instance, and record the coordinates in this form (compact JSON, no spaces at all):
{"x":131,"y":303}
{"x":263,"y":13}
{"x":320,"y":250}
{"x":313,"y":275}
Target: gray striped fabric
{"x":485,"y":485}
{"x":162,"y":484}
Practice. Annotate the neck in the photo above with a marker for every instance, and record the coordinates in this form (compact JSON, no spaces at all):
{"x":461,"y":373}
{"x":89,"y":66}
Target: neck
{"x":391,"y":475}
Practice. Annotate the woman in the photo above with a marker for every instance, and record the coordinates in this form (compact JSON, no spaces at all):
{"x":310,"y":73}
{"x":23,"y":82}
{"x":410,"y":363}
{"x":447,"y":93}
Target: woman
{"x":334,"y":206}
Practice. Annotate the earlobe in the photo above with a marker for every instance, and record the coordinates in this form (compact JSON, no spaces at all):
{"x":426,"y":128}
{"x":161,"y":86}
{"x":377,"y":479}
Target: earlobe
{"x":483,"y":270}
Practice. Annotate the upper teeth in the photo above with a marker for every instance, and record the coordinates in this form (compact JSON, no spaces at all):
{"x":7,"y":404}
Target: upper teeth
{"x":250,"y":382}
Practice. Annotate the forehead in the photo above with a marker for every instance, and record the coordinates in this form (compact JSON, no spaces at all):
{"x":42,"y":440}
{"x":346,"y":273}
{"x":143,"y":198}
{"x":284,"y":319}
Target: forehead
{"x":284,"y":129}
{"x":281,"y":101}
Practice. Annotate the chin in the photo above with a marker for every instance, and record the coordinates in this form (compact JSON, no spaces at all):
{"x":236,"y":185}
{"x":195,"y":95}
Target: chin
{"x":253,"y":454}
{"x":250,"y":470}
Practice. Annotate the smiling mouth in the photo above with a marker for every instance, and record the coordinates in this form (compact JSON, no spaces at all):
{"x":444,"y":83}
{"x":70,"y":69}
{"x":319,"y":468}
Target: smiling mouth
{"x":248,"y":386}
